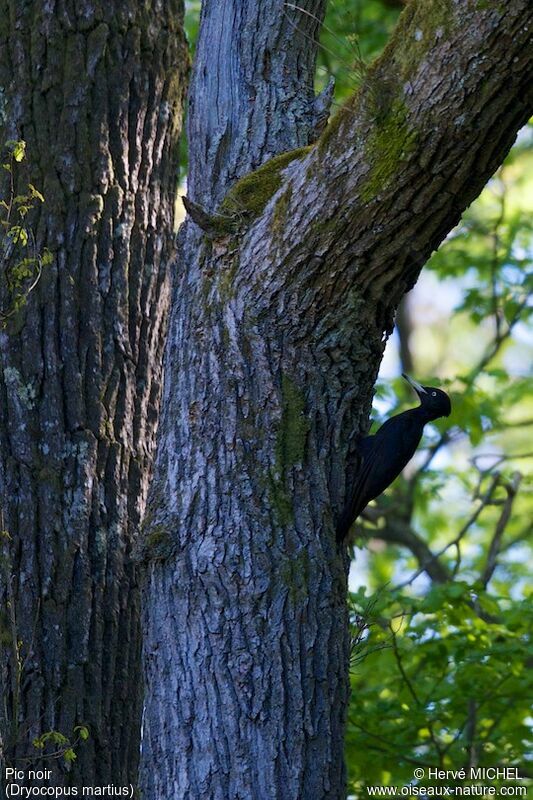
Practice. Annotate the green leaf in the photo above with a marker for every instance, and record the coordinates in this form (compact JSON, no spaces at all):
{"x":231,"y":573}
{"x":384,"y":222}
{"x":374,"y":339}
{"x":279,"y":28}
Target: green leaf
{"x":82,"y":731}
{"x":17,"y":148}
{"x":35,"y":192}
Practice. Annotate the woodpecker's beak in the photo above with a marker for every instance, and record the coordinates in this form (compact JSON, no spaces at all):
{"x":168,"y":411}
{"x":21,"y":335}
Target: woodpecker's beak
{"x":416,"y":386}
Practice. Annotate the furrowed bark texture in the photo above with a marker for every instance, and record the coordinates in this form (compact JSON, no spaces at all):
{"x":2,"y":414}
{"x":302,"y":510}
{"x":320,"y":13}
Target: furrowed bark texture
{"x":219,"y":721}
{"x":251,"y":94}
{"x":278,"y":328}
{"x":95,"y":89}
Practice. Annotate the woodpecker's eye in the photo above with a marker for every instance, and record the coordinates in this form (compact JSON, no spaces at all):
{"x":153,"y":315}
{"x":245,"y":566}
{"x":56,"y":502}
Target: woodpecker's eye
{"x":433,"y":394}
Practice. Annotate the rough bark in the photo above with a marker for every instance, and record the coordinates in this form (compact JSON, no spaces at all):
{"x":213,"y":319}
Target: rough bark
{"x":251,"y":93}
{"x":278,"y":327}
{"x":95,"y":89}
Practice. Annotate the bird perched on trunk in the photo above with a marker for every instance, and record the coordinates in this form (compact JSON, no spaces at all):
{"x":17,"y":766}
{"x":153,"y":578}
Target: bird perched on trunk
{"x":384,"y":455}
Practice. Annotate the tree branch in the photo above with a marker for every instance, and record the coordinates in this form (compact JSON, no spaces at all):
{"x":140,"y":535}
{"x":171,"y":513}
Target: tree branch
{"x":499,"y":340}
{"x":404,"y":328}
{"x":414,"y":694}
{"x":398,"y":532}
{"x":484,"y":501}
{"x":511,"y":488}
{"x":403,"y":157}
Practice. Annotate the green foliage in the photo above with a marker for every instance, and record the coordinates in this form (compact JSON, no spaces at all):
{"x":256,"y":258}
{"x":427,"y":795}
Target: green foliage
{"x":192,"y":20}
{"x":17,"y":149}
{"x":439,"y":680}
{"x":57,"y":745}
{"x":439,"y":671}
{"x":21,"y":263}
{"x":354,"y":33}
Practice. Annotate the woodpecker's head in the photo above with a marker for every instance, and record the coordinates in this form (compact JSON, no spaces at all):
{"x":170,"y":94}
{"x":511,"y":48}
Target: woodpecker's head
{"x":435,"y":402}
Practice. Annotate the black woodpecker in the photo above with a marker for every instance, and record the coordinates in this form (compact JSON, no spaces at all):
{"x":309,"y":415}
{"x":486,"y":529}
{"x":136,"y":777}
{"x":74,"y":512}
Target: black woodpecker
{"x":384,"y":455}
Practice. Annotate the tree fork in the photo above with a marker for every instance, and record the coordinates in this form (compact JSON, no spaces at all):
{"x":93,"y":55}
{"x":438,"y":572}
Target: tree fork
{"x":275,"y":341}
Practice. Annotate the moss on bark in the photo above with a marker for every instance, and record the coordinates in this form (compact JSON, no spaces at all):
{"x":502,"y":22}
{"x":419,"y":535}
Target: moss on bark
{"x":249,"y":196}
{"x":391,"y":141}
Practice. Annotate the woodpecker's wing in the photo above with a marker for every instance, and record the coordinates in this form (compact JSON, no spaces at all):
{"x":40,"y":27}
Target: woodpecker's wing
{"x":355,"y":502}
{"x":384,"y":455}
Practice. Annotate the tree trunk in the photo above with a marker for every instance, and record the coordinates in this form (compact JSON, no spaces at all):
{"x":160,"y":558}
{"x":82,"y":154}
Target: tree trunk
{"x":279,"y":323}
{"x":95,"y":90}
